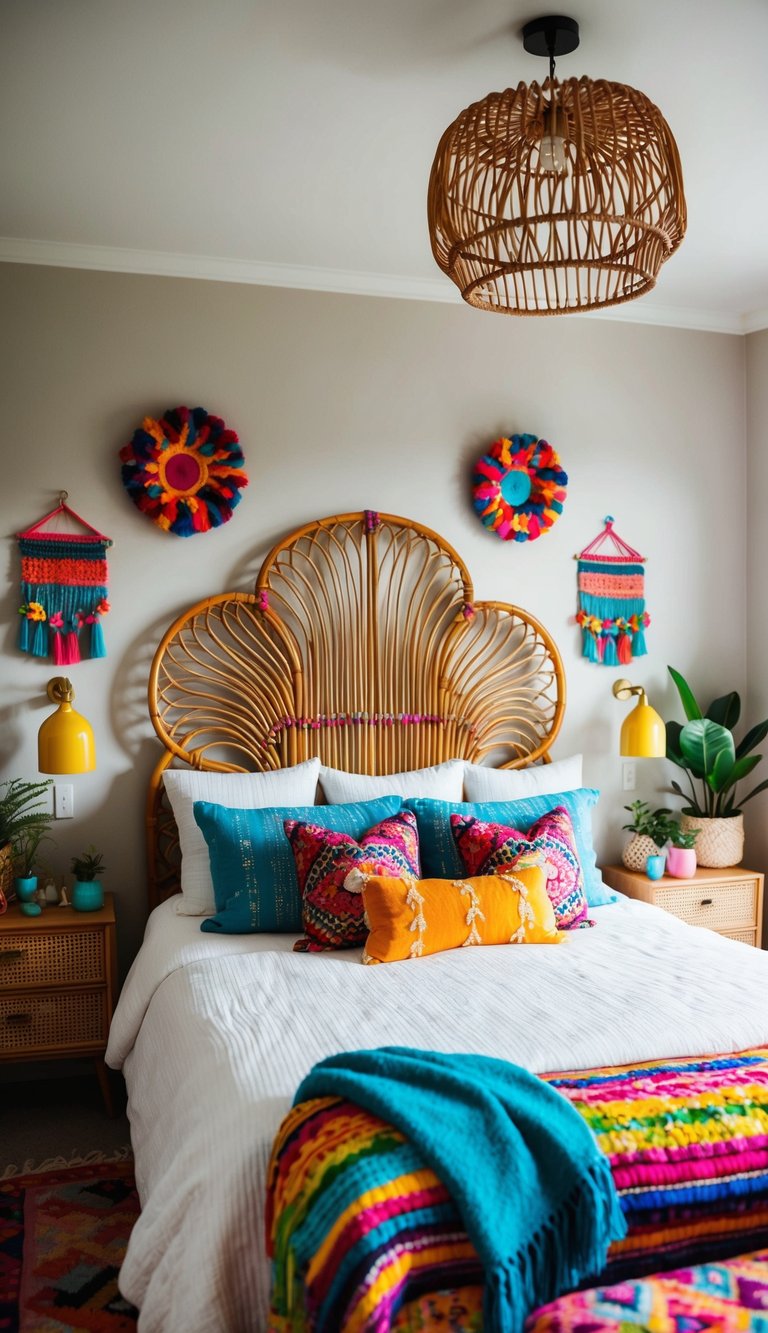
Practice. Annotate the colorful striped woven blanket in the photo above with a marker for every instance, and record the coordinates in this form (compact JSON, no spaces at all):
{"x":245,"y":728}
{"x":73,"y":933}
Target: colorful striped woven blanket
{"x":687,"y":1140}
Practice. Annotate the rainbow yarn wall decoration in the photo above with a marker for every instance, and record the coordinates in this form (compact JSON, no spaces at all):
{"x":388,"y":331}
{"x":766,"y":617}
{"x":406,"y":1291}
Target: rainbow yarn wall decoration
{"x":184,"y":471}
{"x":63,"y":590}
{"x":612,"y":612}
{"x":518,"y":488}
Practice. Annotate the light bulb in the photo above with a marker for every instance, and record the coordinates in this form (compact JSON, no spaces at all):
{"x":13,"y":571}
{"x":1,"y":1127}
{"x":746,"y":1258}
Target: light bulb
{"x":552,"y":153}
{"x":552,"y":143}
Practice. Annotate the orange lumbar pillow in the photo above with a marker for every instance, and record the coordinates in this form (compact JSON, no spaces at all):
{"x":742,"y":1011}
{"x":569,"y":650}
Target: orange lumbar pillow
{"x":408,"y":917}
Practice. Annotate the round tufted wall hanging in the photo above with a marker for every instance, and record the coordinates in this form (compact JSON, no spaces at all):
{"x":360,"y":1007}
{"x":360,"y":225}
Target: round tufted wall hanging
{"x":184,"y":471}
{"x":518,"y":487}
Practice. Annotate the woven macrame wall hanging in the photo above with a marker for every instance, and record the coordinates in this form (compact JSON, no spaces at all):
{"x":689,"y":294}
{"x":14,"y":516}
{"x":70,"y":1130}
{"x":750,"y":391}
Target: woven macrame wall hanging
{"x":612,"y":614}
{"x":63,"y":589}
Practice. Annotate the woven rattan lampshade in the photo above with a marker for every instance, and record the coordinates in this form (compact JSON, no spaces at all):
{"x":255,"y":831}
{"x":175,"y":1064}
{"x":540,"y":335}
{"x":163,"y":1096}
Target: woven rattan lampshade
{"x":527,"y":241}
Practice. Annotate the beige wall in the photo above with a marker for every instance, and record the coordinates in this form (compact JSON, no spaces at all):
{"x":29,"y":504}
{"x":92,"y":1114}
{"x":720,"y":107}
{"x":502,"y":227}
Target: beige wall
{"x":345,"y":403}
{"x":757,"y":564}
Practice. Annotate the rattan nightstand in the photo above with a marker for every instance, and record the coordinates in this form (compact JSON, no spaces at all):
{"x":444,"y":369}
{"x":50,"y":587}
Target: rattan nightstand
{"x":728,"y":901}
{"x":57,"y":986}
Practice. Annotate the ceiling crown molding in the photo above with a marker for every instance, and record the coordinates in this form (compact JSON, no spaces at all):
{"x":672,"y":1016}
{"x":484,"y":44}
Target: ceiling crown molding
{"x":161,"y":263}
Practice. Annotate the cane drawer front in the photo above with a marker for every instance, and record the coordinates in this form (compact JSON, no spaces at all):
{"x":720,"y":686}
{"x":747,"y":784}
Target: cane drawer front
{"x":725,"y":906}
{"x":48,"y":958}
{"x":743,"y":936}
{"x":32,"y":1024}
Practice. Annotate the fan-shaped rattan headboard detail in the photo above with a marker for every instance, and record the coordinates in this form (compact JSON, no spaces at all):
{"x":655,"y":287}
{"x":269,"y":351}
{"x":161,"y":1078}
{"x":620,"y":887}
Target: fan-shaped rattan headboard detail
{"x":361,"y":644}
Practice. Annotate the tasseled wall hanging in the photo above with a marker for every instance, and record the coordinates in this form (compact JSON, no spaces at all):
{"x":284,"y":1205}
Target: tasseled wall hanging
{"x":612,"y":612}
{"x":63,"y":590}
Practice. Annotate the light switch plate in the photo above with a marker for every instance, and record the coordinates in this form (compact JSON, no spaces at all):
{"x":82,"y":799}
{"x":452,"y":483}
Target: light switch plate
{"x":628,"y":775}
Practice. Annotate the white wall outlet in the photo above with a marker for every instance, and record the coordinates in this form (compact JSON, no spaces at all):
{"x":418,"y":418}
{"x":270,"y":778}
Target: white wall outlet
{"x":63,"y":800}
{"x":628,"y":775}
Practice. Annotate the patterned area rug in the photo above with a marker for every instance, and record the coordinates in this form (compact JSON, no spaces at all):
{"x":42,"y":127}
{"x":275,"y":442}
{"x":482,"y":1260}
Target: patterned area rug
{"x":63,"y":1234}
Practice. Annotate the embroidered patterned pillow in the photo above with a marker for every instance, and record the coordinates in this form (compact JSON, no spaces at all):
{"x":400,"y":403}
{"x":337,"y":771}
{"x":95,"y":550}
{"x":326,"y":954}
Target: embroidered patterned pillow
{"x":410,"y":918}
{"x":492,"y":849}
{"x":329,"y":866}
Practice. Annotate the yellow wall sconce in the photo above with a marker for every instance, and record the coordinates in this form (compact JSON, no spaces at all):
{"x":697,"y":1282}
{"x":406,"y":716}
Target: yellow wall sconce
{"x":643,"y":733}
{"x":65,"y":742}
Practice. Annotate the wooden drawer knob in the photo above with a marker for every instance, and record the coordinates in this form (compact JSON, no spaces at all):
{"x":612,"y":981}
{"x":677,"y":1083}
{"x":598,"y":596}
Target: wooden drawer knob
{"x":706,"y":902}
{"x":17,"y":1020}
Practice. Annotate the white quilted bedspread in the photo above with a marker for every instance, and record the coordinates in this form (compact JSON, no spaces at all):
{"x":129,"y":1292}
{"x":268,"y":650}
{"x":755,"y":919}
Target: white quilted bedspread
{"x":214,"y":1033}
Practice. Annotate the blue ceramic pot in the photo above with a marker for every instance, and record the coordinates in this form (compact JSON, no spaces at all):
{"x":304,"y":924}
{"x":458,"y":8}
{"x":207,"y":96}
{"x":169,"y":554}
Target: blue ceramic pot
{"x":26,"y":888}
{"x":654,"y":866}
{"x":87,"y":895}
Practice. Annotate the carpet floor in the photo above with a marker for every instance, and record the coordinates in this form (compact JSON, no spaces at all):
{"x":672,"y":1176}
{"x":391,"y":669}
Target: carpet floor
{"x":45,"y":1119}
{"x":63,"y":1234}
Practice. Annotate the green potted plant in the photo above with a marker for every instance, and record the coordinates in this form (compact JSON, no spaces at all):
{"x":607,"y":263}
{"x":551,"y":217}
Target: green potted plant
{"x":25,"y":845}
{"x":704,"y":747}
{"x":681,"y":854}
{"x":24,"y":821}
{"x":87,"y":892}
{"x":650,"y":829}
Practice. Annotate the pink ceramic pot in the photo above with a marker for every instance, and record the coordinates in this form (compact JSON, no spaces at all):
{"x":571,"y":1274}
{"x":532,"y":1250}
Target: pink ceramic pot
{"x":681,"y":862}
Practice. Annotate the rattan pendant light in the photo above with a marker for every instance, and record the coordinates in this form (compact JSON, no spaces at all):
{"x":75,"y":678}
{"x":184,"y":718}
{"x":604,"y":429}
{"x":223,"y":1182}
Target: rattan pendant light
{"x":556,"y":198}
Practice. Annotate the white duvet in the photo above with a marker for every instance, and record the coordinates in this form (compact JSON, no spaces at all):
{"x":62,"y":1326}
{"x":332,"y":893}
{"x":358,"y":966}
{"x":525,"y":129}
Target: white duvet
{"x":215,"y":1032}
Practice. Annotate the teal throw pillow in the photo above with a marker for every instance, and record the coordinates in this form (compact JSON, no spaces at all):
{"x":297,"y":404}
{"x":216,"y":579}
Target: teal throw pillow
{"x":440,"y":857}
{"x":252,"y":863}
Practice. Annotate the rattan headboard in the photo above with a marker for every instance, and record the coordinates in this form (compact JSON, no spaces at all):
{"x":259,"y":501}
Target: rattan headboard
{"x":362,"y":644}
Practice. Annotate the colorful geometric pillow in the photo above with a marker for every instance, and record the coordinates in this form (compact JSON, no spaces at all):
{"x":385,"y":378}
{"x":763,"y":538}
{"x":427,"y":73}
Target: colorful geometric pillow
{"x":440,"y":856}
{"x":410,"y":918}
{"x":329,"y":867}
{"x":491,"y":849}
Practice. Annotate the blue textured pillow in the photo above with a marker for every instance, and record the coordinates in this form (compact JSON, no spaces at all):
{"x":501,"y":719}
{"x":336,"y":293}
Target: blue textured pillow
{"x":440,"y":857}
{"x":252,"y":864}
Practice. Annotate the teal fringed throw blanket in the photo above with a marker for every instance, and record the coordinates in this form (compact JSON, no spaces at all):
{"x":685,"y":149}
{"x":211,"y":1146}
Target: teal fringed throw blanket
{"x":533,"y":1189}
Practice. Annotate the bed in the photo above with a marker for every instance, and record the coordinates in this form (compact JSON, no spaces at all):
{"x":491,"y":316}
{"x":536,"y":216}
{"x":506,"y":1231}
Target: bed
{"x":363,"y":645}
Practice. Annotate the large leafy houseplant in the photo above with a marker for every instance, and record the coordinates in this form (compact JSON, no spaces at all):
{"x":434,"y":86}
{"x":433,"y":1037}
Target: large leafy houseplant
{"x":704,"y":747}
{"x":24,"y":822}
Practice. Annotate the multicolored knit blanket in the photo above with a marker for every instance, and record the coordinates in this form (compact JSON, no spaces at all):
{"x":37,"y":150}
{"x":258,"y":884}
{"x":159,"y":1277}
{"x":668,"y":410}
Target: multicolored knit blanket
{"x":726,"y":1297}
{"x":687,"y":1140}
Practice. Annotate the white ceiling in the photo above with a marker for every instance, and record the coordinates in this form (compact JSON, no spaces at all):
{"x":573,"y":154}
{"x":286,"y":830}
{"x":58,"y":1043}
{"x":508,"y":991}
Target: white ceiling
{"x":291,"y":140}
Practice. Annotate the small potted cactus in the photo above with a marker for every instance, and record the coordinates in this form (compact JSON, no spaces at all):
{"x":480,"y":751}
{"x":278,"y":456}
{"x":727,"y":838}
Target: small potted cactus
{"x":650,"y":830}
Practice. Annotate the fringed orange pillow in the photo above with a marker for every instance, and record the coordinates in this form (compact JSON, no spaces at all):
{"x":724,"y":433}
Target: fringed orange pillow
{"x":409,"y":918}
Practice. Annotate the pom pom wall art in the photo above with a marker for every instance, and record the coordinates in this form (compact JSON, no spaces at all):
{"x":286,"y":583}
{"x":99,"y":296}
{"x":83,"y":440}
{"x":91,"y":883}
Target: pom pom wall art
{"x":612,"y":613}
{"x":518,"y":488}
{"x":184,"y":471}
{"x":63,"y":590}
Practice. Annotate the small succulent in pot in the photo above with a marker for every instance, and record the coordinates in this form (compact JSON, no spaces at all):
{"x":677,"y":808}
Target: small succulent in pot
{"x":681,"y":856}
{"x":88,"y":866}
{"x":87,"y":893}
{"x":685,"y":839}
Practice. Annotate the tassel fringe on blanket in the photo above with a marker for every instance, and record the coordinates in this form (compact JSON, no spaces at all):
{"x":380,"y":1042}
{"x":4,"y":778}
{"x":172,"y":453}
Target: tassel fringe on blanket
{"x":612,"y":613}
{"x":63,"y":590}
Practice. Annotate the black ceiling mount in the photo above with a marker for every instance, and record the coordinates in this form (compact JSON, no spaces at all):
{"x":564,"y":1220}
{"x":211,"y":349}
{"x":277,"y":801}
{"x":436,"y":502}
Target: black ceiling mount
{"x":554,"y":35}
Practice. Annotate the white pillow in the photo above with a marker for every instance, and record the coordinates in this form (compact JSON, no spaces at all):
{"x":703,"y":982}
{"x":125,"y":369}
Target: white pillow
{"x":443,"y":782}
{"x":514,"y":784}
{"x":238,"y":791}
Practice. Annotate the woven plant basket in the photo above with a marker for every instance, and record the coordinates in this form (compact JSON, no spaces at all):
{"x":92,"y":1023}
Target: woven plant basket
{"x":6,"y":871}
{"x":637,"y":851}
{"x":720,"y":842}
